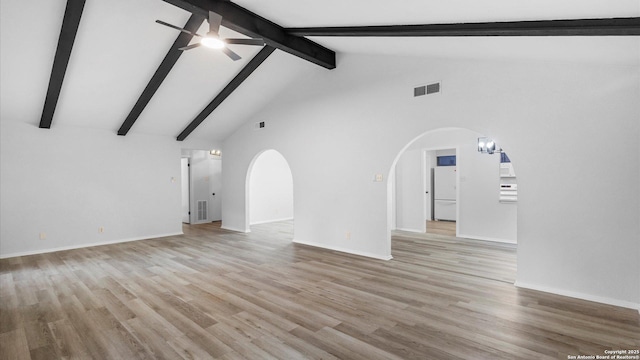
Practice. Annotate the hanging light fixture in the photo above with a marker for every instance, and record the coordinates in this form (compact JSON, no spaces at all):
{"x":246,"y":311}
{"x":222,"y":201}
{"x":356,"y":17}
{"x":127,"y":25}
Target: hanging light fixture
{"x":487,"y":146}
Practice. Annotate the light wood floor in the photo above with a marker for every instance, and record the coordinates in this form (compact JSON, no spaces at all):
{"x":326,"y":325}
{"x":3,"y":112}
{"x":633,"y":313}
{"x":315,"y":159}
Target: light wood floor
{"x":218,"y":294}
{"x":441,"y":227}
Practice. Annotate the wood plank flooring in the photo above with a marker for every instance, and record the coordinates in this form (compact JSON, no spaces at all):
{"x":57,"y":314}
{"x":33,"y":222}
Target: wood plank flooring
{"x":441,"y":227}
{"x":217,"y":294}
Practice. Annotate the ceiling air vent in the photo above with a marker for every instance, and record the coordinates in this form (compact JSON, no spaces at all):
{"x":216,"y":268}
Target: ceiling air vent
{"x":426,"y":89}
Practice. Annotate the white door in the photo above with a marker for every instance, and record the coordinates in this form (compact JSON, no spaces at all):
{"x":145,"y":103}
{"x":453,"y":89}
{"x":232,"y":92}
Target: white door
{"x":216,"y":190}
{"x":185,"y":179}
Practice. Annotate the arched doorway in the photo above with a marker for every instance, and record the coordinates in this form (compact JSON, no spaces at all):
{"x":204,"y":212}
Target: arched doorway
{"x":485,"y":196}
{"x":269,"y":189}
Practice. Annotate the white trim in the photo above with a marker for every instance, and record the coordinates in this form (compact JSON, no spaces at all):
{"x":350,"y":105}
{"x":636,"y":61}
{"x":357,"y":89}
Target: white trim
{"x":485,"y":238}
{"x":410,"y":230}
{"x":271,"y":221}
{"x":234,"y":229}
{"x":63,"y":248}
{"x":199,"y":222}
{"x":348,"y":251}
{"x":578,"y":295}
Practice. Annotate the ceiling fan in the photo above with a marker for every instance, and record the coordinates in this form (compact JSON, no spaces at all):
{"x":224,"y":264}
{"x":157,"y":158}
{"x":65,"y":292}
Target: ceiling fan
{"x":213,"y":40}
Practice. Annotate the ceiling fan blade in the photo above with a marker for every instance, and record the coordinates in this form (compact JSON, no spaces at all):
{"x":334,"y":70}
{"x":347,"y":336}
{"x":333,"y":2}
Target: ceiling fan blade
{"x":177,"y":28}
{"x":231,"y":54}
{"x":214,"y":22}
{"x":192,"y":46}
{"x":258,"y":42}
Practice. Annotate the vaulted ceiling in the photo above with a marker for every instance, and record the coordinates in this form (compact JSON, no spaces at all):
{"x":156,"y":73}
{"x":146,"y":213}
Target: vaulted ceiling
{"x":119,"y":47}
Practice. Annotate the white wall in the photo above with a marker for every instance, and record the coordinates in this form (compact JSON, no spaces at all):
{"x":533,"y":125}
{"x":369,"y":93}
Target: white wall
{"x":270,"y":189}
{"x":480,"y":214}
{"x":67,"y":182}
{"x":578,"y":206}
{"x":410,"y":188}
{"x":425,"y":141}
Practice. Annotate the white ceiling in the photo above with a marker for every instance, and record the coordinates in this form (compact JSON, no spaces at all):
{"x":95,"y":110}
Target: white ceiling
{"x":119,"y":47}
{"x":306,"y":13}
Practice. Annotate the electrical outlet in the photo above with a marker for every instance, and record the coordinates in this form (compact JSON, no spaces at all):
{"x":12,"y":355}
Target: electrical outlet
{"x":43,"y":236}
{"x":378,"y":178}
{"x":101,"y":229}
{"x":348,"y":235}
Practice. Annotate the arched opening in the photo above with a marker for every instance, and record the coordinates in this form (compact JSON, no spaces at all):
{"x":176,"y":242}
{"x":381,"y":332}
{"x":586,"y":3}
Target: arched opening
{"x":483,"y":198}
{"x":269,"y":190}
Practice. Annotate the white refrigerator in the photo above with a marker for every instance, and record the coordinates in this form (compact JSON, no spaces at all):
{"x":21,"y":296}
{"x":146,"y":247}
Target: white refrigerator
{"x":444,"y":193}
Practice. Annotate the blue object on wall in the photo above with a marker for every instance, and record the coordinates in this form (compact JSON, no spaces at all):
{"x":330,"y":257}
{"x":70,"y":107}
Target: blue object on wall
{"x":449,"y":160}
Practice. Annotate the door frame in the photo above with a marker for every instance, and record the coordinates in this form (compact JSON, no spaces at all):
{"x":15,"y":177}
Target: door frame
{"x":428,"y":172}
{"x":188,"y":184}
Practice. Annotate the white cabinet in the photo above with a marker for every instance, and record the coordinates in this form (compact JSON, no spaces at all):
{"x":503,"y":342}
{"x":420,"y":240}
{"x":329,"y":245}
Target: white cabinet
{"x":508,"y":187}
{"x":508,"y":192}
{"x":506,"y":170}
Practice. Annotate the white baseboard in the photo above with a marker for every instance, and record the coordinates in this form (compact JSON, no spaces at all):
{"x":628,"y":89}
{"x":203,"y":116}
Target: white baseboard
{"x":230,"y":228}
{"x":411,"y":230}
{"x":271,"y":221}
{"x":348,"y":251}
{"x":63,"y":248}
{"x":578,"y":295}
{"x":200,"y":222}
{"x":485,"y":238}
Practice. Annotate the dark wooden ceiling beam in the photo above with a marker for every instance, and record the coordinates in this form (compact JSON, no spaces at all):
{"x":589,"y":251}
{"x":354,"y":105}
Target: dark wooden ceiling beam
{"x":245,"y":22}
{"x":161,"y":73}
{"x":233,"y":84}
{"x":579,"y":27}
{"x":70,"y":24}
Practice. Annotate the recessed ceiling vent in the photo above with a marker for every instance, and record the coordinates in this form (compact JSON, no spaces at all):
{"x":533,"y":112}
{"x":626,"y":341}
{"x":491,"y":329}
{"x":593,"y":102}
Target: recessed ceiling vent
{"x":426,"y":89}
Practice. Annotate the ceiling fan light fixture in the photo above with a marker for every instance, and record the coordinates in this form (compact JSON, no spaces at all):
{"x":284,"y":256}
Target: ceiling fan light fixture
{"x":212,"y":42}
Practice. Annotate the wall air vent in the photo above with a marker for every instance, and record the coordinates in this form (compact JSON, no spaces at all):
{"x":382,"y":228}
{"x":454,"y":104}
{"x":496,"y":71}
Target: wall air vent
{"x":426,"y":89}
{"x":433,"y":88}
{"x":202,"y":210}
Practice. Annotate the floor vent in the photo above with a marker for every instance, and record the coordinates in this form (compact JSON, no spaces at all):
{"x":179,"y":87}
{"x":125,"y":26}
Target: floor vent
{"x":426,"y":89}
{"x":202,"y":210}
